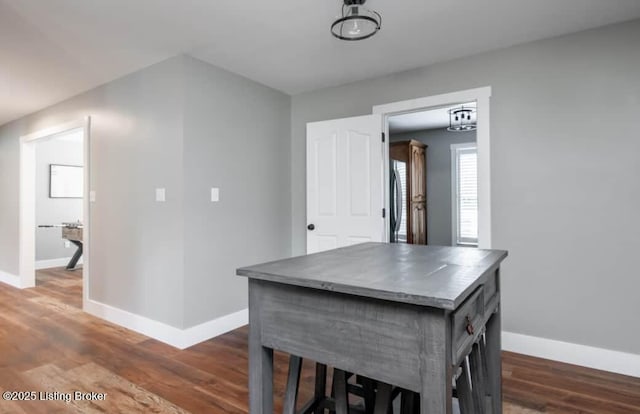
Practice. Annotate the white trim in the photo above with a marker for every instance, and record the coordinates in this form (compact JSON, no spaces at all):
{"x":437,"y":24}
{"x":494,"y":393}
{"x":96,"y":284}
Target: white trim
{"x":213,"y":328}
{"x":86,"y":211}
{"x":586,"y":356}
{"x":414,"y":105}
{"x":483,"y":141}
{"x":176,"y":337}
{"x":9,"y":279}
{"x":55,"y":130}
{"x":27,"y":208}
{"x":49,"y":263}
{"x":27,"y":213}
{"x":455,"y":213}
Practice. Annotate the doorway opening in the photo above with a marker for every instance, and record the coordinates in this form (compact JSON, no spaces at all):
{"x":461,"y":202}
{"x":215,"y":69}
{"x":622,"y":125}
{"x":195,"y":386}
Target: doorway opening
{"x":54,"y":208}
{"x":350,"y":186}
{"x":433,"y":176}
{"x":470,"y":224}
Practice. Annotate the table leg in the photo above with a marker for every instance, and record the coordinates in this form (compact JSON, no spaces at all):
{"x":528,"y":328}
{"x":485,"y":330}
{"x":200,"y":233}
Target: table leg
{"x":260,"y":359}
{"x":437,"y":399}
{"x":76,"y":256}
{"x":494,"y":361}
{"x":260,"y":380}
{"x":435,"y":365}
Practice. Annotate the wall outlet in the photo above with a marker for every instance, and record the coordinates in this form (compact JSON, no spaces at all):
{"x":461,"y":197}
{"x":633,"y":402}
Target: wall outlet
{"x":160,"y":195}
{"x":215,"y":195}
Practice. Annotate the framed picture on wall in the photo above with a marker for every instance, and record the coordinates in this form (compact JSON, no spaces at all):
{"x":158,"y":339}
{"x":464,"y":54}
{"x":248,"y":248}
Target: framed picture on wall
{"x":66,"y":181}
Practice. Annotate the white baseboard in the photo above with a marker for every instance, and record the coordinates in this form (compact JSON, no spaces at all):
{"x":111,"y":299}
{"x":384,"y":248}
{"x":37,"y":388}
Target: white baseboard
{"x":49,"y":263}
{"x":215,"y":327}
{"x":179,"y":338}
{"x":9,"y":279}
{"x":586,"y":356}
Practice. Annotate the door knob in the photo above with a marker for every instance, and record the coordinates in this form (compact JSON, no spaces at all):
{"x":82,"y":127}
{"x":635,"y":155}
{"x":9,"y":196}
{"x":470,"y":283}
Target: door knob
{"x":311,"y":227}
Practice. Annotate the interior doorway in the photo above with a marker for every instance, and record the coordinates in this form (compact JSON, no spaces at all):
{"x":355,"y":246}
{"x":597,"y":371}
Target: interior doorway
{"x":481,"y":98}
{"x":54,"y":201}
{"x":349,"y":187}
{"x":59,"y":195}
{"x":433,"y":176}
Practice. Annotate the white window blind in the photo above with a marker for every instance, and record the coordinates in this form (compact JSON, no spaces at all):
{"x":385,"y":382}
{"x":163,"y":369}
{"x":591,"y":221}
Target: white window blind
{"x":465,"y":185}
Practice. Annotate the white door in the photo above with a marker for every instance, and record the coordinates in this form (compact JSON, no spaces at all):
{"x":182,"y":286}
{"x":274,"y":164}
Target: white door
{"x":345,"y":195}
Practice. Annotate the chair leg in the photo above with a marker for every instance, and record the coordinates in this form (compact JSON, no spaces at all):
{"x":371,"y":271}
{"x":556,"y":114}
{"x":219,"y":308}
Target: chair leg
{"x":341,"y":392}
{"x":320,"y":386}
{"x":486,"y":376}
{"x":463,"y":386}
{"x":293,"y":381}
{"x":333,"y":392}
{"x":383,"y":398}
{"x":408,"y":402}
{"x":369,"y":392}
{"x":478,"y":379}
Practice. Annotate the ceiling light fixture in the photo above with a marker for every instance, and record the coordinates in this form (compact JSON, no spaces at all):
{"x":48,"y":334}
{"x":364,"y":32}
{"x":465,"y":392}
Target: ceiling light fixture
{"x":356,"y":22}
{"x":460,"y":119}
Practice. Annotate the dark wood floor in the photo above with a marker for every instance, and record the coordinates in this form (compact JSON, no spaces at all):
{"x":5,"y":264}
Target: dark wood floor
{"x":48,"y":344}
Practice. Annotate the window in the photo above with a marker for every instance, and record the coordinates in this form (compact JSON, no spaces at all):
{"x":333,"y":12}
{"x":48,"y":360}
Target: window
{"x":464,"y":200}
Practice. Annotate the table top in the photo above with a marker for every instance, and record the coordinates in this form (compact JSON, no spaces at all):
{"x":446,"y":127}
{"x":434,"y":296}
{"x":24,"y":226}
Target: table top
{"x":435,"y":276}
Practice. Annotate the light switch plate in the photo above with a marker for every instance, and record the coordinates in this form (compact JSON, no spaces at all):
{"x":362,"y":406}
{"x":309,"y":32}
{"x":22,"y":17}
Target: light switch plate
{"x":67,"y":244}
{"x":215,"y":195}
{"x":92,"y":196}
{"x":160,"y":195}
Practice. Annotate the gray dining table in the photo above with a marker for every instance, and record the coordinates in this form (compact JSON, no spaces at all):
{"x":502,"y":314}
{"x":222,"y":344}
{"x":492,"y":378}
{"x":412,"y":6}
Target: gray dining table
{"x":406,"y":315}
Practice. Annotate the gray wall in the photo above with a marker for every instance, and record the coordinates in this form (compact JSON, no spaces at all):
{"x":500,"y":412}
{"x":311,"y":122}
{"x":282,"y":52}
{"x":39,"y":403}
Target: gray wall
{"x":49,"y":244}
{"x":237,"y":138}
{"x":438,"y":178}
{"x":565,"y":193}
{"x":136,"y":145}
{"x":185,"y":126}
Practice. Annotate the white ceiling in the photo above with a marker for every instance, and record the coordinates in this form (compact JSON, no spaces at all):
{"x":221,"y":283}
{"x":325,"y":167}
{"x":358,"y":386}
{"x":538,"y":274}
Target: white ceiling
{"x":51,"y":50}
{"x":417,"y":121}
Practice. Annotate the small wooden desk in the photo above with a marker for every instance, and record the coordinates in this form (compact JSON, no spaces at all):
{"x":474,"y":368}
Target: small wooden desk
{"x":394,"y":312}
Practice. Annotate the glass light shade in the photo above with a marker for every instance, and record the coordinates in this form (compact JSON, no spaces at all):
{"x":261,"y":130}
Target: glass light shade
{"x":460,"y":119}
{"x":356,"y":23}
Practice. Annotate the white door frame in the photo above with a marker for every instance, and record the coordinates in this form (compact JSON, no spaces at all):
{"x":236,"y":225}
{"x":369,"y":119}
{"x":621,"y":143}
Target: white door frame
{"x":483,"y":138}
{"x":27,"y":209}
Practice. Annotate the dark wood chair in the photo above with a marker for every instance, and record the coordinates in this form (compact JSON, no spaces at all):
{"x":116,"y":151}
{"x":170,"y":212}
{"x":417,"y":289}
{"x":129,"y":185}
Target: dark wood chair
{"x":376,"y":397}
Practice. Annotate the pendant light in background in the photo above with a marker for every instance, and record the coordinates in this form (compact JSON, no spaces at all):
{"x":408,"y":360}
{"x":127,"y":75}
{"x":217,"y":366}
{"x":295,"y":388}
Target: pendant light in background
{"x":356,"y":21}
{"x":462,"y":119}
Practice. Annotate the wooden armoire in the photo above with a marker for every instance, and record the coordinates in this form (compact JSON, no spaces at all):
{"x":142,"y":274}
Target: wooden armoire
{"x":413,"y":153}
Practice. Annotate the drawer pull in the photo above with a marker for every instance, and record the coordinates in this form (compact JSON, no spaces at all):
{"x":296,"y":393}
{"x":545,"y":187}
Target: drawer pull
{"x":470,"y":328}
